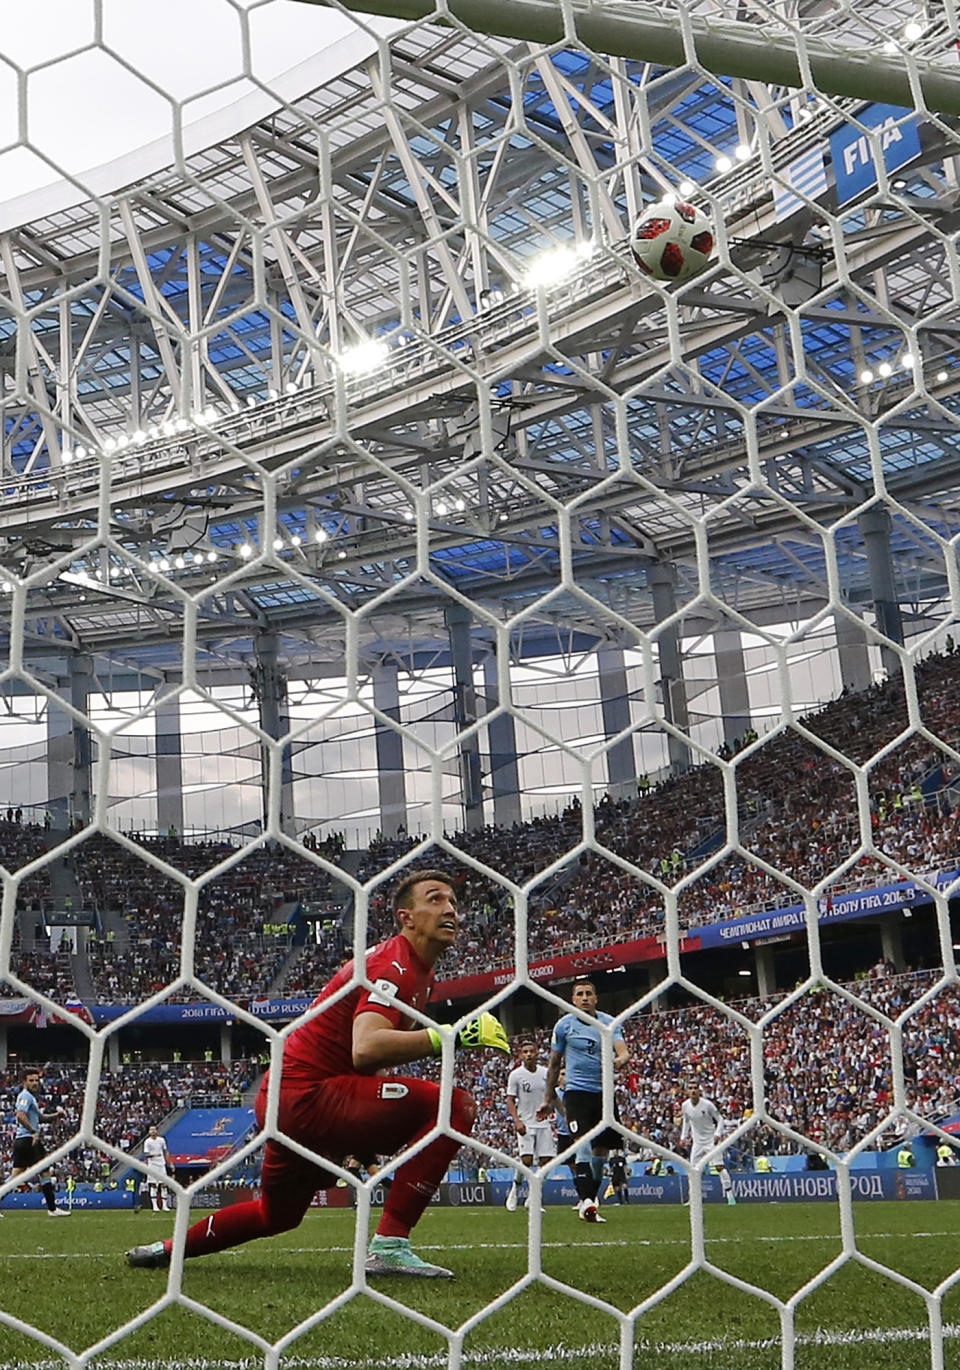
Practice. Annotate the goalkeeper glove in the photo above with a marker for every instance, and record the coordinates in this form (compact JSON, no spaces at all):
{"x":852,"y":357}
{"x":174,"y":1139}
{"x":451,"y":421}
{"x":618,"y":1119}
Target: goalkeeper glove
{"x":484,"y":1031}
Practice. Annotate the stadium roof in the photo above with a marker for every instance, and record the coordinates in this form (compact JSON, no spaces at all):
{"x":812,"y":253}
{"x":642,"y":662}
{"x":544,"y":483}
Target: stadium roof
{"x":197,"y":330}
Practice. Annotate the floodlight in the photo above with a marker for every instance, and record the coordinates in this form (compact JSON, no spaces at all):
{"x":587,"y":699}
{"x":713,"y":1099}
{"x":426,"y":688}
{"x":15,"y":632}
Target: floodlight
{"x":363,"y":358}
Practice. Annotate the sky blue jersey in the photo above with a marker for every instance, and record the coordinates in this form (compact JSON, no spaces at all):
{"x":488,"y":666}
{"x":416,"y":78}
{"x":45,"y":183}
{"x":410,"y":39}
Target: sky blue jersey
{"x":27,"y":1104}
{"x":580,"y":1045}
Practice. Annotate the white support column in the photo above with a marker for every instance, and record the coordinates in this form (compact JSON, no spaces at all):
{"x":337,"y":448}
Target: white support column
{"x":169,"y":764}
{"x":391,"y":776}
{"x":270,"y":688}
{"x":891,"y":941}
{"x":875,"y":530}
{"x":766,"y":977}
{"x":853,"y":653}
{"x":732,"y":683}
{"x":81,"y":685}
{"x":59,"y":754}
{"x":661,"y":580}
{"x":615,"y":711}
{"x":64,"y":381}
{"x":465,"y":712}
{"x":226,"y":1044}
{"x":502,"y":740}
{"x":196,"y":343}
{"x":655,"y":973}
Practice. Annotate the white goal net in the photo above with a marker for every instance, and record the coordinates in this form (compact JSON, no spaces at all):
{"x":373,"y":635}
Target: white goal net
{"x":367,"y":501}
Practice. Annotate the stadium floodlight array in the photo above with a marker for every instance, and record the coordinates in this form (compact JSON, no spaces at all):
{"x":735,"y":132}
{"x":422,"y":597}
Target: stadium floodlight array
{"x":398,"y":206}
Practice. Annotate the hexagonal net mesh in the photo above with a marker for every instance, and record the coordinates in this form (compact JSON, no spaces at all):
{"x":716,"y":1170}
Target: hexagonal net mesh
{"x":376,"y":495}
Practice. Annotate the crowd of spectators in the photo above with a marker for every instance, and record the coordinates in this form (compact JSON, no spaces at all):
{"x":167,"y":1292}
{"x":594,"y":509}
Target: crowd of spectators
{"x":798,"y":813}
{"x":129,"y":1101}
{"x":828,"y":1068}
{"x":242,"y":938}
{"x":316,"y":961}
{"x":827,"y":1074}
{"x":47,"y":974}
{"x":21,"y":843}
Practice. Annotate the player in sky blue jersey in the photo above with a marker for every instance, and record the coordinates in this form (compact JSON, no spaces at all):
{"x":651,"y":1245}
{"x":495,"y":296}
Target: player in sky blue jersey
{"x":28,"y":1147}
{"x":577,"y":1046}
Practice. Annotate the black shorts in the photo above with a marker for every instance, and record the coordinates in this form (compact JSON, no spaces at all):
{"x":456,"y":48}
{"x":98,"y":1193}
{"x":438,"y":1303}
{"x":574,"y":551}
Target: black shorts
{"x":584,"y":1110}
{"x":26,"y":1152}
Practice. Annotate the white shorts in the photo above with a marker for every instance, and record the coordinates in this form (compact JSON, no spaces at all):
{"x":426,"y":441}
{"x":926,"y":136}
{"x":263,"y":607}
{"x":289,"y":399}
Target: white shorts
{"x":698,"y":1152}
{"x":538,"y":1141}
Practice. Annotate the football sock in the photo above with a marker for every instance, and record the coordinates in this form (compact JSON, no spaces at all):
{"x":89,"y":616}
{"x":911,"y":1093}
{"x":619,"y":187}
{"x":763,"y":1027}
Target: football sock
{"x":49,"y":1196}
{"x":416,"y":1182}
{"x":586,"y":1184}
{"x":242,"y":1222}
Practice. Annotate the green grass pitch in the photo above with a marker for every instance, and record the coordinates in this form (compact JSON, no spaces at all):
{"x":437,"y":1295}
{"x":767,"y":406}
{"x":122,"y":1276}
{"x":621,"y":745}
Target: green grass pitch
{"x":68,"y":1279}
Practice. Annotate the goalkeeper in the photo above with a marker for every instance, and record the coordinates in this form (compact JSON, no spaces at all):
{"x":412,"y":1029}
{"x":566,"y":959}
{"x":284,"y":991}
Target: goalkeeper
{"x":336,"y":1099}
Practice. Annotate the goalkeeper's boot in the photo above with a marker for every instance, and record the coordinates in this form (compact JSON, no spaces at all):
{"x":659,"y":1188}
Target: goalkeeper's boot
{"x":155,"y":1256}
{"x":59,"y":1212}
{"x":395,"y":1256}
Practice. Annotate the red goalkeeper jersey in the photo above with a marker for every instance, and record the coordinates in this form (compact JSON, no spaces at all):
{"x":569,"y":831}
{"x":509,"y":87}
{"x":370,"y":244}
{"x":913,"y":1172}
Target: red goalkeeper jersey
{"x":324,"y":1046}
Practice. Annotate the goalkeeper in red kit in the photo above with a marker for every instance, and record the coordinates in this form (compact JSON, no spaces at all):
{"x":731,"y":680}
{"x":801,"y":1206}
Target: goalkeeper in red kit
{"x":337,"y":1099}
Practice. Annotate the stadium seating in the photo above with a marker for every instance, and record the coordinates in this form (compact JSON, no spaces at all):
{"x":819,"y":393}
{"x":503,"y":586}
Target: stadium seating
{"x":798,"y":813}
{"x":128,"y":1102}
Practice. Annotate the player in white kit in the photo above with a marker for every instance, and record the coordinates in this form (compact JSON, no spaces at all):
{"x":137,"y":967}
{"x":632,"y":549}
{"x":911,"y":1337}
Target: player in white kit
{"x":157,"y":1157}
{"x":702,"y":1126}
{"x":526,"y":1095}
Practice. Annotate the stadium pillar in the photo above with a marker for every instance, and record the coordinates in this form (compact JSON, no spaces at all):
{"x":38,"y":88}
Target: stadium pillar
{"x":615,"y":712}
{"x":732,"y":683}
{"x":391,"y":777}
{"x":502,"y":735}
{"x":270,"y":691}
{"x":662,"y":582}
{"x":59,"y":757}
{"x":81,"y":682}
{"x":68,"y":745}
{"x":854,"y":654}
{"x":655,"y":973}
{"x":458,"y":620}
{"x":226,"y":1046}
{"x":114,"y":1064}
{"x":891,"y":942}
{"x":766,"y":978}
{"x":3,"y":1049}
{"x":875,"y":530}
{"x":169,"y":767}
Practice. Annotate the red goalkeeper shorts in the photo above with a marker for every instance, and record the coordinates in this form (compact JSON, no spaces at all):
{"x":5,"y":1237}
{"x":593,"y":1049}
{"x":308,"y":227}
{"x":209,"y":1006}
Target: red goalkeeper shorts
{"x":346,"y":1115}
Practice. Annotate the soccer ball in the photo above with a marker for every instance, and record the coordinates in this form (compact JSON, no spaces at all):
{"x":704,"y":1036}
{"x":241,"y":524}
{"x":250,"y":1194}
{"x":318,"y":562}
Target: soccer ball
{"x":672,"y":240}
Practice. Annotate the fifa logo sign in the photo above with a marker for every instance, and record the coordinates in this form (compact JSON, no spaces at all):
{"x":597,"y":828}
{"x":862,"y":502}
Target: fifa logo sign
{"x":859,"y":153}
